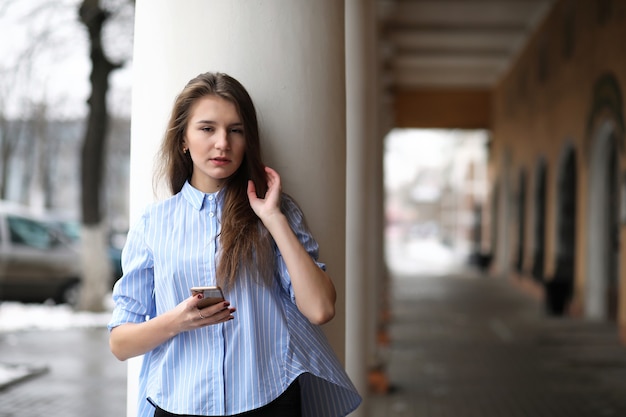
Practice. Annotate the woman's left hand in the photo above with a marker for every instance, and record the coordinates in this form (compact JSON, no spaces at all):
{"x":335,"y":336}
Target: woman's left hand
{"x":269,"y":205}
{"x":314,"y":290}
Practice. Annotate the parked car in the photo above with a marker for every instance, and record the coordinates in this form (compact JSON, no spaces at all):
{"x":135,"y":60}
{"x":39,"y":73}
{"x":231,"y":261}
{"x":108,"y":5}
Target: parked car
{"x":117,"y":240}
{"x":69,"y":230}
{"x":35,"y":263}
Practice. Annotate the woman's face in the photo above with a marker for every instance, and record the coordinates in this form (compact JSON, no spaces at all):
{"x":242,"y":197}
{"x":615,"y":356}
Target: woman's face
{"x":216,"y":142}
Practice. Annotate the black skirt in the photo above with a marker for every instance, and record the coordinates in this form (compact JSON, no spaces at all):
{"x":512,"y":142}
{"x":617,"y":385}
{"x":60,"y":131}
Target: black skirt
{"x":288,"y":404}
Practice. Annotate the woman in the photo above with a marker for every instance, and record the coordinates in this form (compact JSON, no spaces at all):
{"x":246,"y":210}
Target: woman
{"x":259,"y":352}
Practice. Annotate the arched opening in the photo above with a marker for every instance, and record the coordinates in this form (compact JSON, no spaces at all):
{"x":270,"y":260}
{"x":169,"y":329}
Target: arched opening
{"x":505,"y":214}
{"x":539,"y":221}
{"x":493,"y":239}
{"x":612,"y":231}
{"x":560,"y":288}
{"x":521,"y":221}
{"x":603,"y":227}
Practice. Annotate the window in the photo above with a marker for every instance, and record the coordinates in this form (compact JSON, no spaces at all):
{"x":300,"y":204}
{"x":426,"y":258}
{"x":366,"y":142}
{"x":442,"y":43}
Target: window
{"x":29,"y":232}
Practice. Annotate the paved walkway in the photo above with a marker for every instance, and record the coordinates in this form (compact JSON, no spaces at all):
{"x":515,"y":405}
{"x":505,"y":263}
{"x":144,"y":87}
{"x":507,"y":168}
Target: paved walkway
{"x":82,"y":378}
{"x":471,"y":346}
{"x":461,"y":346}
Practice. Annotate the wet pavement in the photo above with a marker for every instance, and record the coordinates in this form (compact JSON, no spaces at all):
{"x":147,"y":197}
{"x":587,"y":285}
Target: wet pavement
{"x":467,"y":345}
{"x":81,"y":377}
{"x":462,"y":345}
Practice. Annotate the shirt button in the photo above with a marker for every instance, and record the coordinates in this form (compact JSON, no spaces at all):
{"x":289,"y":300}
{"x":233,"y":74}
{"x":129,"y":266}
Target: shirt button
{"x":211,"y":214}
{"x":210,"y":198}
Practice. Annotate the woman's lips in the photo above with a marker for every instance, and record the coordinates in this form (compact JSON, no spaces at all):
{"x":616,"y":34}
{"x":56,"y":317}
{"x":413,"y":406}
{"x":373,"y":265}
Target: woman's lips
{"x":220,"y":161}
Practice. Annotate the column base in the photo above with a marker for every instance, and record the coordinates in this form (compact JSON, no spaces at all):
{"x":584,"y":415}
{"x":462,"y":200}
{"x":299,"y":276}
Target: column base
{"x":575,"y":308}
{"x":622,"y":333}
{"x":527,"y":285}
{"x":378,"y":382}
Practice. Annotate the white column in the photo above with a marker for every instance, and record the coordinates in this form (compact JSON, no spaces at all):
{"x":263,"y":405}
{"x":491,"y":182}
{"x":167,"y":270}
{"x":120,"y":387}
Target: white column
{"x":361,"y":129}
{"x":379,"y":296}
{"x":290,"y":56}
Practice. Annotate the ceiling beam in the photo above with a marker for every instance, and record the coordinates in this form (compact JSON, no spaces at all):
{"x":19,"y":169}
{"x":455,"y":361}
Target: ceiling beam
{"x":443,"y":108}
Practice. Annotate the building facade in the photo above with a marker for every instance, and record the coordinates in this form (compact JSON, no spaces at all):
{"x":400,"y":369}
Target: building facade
{"x":557,"y":175}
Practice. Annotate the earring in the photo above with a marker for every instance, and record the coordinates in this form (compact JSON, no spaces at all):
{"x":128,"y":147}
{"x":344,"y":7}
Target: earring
{"x":185,"y":150}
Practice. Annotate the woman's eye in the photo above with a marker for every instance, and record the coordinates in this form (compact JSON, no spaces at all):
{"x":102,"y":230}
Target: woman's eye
{"x":238,"y":131}
{"x":207,"y":129}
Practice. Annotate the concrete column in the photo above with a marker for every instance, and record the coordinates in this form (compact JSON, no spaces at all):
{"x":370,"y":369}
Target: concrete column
{"x":290,"y":56}
{"x":360,"y":95}
{"x":379,"y":279}
{"x":379,"y":297}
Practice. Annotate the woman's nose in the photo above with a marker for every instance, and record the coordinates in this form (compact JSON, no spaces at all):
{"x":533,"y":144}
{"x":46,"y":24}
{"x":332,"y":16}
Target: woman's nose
{"x":221,"y":140}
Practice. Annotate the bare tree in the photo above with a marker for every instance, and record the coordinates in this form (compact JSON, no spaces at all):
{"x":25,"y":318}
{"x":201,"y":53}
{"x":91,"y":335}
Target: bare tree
{"x":10,"y":133}
{"x":12,"y":129}
{"x":41,"y":185}
{"x":96,"y":269}
{"x":108,"y":25}
{"x":23,"y":102}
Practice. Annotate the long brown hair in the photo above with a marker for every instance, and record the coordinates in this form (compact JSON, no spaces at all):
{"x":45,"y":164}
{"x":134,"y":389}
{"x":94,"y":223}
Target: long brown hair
{"x":245,"y":244}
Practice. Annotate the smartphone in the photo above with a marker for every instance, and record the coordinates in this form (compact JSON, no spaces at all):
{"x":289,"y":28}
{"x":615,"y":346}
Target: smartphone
{"x":212,"y":295}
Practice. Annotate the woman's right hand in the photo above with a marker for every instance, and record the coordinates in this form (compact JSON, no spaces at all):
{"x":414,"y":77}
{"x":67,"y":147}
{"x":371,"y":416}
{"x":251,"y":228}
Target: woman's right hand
{"x":189,"y":316}
{"x":214,"y":314}
{"x":134,"y":339}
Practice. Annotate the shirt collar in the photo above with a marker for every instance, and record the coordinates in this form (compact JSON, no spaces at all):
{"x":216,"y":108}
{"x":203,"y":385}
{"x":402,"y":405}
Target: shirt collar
{"x":194,"y":196}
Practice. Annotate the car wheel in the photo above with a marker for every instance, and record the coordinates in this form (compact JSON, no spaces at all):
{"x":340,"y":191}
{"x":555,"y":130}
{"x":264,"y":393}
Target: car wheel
{"x":70,"y":294}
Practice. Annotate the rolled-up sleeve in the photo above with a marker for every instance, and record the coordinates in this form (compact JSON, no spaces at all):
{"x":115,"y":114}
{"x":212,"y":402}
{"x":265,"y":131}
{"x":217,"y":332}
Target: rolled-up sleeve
{"x":298,"y":225}
{"x":133,"y":294}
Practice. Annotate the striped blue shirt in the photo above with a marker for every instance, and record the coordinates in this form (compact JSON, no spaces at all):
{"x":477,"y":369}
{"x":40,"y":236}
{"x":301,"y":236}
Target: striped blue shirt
{"x":231,"y":367}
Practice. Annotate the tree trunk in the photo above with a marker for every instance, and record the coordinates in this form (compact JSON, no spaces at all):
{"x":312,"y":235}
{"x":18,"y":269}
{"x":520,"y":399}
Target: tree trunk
{"x":5,"y":156}
{"x":13,"y":134}
{"x":92,"y":163}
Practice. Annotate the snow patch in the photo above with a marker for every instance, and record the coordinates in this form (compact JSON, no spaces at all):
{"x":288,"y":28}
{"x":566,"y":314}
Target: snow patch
{"x":15,"y":316}
{"x":11,"y":374}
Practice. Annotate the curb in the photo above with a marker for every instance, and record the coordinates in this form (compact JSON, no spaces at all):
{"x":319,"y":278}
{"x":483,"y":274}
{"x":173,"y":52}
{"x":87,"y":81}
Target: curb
{"x":11,"y":374}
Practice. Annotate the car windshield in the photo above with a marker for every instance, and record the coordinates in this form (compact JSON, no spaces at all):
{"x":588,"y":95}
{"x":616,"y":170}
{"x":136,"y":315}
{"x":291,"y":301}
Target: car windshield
{"x":69,"y":228}
{"x":29,"y":232}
